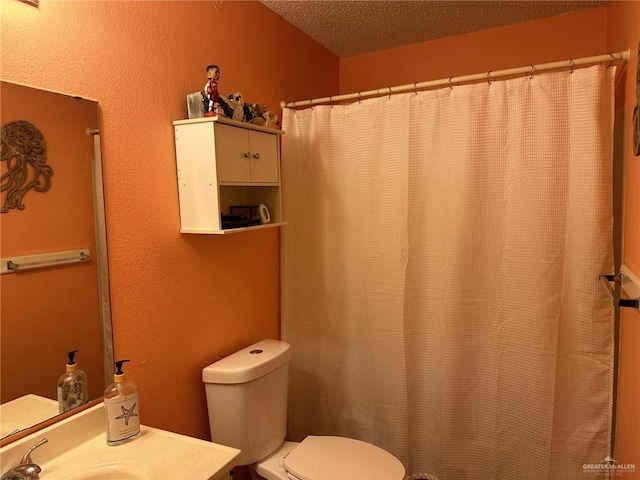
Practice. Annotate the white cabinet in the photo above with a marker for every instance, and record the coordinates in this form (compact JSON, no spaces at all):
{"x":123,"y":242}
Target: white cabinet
{"x":223,"y":163}
{"x":244,"y":155}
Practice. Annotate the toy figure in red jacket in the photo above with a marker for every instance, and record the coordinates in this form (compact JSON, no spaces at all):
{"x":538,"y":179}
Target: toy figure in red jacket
{"x":210,"y":93}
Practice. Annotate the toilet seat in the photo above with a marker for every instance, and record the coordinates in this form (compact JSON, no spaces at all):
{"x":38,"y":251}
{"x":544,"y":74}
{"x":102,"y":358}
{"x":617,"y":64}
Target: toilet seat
{"x":340,"y":458}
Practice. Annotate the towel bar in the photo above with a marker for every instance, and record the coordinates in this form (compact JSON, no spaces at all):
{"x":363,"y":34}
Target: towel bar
{"x":43,"y":260}
{"x":624,"y":281}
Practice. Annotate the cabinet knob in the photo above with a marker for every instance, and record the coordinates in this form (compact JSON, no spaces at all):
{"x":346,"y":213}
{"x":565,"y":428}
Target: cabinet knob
{"x":246,"y":155}
{"x":256,"y":156}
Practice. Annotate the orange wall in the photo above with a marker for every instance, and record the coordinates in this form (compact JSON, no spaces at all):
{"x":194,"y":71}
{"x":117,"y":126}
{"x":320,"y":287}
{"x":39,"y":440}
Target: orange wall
{"x":623,"y":32}
{"x":548,"y":40}
{"x":58,"y":307}
{"x":179,"y":301}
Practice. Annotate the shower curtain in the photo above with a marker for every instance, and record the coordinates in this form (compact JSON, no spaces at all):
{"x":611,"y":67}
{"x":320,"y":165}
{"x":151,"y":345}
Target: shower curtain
{"x":440,"y":275}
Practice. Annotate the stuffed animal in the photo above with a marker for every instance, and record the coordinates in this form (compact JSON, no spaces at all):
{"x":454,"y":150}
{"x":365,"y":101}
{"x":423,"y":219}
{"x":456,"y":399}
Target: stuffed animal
{"x":270,"y":119}
{"x":227,"y":111}
{"x":255,"y":113}
{"x":235,"y":108}
{"x":236,"y":103}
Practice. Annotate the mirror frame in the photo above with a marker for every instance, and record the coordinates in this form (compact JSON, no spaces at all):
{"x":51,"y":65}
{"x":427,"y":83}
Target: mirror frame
{"x":102,"y":264}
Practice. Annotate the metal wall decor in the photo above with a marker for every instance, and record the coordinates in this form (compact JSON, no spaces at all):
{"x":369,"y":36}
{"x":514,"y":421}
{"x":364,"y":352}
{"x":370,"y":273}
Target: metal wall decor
{"x":636,"y":111}
{"x":23,"y":147}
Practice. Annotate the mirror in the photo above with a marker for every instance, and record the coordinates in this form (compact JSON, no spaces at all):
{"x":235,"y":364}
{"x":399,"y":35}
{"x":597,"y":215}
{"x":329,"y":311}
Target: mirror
{"x":51,"y":199}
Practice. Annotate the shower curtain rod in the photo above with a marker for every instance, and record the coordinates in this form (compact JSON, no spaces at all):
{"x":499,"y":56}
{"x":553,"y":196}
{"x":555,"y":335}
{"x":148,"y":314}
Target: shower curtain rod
{"x":486,"y":76}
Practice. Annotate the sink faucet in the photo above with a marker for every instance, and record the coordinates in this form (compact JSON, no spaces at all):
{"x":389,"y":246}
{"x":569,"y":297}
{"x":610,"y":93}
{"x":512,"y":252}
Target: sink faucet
{"x":26,"y":469}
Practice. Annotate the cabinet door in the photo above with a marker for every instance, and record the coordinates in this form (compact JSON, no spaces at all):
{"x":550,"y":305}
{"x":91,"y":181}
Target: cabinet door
{"x":233,"y":161}
{"x":264,"y":157}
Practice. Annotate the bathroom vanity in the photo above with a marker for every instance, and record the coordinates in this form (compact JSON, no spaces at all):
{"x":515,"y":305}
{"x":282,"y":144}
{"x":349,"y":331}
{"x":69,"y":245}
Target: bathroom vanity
{"x":76,"y":449}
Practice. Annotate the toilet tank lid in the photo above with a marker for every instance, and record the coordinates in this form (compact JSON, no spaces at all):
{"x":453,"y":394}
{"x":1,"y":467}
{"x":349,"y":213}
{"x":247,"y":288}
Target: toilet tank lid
{"x":248,"y":364}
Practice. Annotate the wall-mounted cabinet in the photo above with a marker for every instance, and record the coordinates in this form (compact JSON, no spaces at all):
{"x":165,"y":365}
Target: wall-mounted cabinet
{"x":223,"y":163}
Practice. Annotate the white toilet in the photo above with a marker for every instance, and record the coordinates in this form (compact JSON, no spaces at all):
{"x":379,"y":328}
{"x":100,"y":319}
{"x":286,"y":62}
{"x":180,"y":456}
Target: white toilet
{"x":247,"y":403}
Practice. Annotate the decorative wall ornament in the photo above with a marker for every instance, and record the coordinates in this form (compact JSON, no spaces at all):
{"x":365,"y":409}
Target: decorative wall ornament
{"x":23,"y":147}
{"x":636,"y":111}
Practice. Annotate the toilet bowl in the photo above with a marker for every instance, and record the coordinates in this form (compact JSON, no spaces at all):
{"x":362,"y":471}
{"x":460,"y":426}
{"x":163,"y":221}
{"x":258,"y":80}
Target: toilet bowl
{"x":247,"y":405}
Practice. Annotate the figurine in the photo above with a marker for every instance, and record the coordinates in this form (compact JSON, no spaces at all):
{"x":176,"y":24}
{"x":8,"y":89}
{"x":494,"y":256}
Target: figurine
{"x":210,"y":93}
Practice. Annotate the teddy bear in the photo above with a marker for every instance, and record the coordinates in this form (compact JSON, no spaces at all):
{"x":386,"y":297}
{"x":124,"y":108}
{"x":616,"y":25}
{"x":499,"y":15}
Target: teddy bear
{"x":235,"y":101}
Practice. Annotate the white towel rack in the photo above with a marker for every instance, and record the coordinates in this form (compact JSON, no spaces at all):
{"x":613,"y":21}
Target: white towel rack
{"x":44,"y":260}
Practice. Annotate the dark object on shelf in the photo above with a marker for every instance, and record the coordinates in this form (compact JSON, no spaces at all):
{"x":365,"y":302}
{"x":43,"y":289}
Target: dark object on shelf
{"x":249,"y":211}
{"x":238,"y":221}
{"x":241,"y":216}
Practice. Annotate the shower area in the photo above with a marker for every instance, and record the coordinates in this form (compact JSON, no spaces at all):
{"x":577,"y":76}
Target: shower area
{"x":440,"y":273}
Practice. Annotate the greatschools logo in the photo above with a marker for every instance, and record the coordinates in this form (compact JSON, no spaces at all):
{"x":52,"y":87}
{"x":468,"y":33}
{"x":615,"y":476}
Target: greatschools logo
{"x":609,"y":466}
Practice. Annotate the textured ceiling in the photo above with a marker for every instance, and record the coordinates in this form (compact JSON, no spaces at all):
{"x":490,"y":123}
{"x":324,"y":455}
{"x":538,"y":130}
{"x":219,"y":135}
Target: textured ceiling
{"x":353,"y":27}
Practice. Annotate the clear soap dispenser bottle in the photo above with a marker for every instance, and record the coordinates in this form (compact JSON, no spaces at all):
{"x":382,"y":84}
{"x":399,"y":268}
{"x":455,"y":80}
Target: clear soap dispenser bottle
{"x":72,"y":386}
{"x":121,"y":408}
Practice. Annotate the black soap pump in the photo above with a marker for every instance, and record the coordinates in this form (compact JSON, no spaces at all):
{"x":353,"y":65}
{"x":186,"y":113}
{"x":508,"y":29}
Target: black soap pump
{"x":72,"y":386}
{"x":121,"y":408}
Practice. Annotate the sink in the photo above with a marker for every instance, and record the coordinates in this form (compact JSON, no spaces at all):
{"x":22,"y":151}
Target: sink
{"x":25,"y":412}
{"x":77,"y":450}
{"x":111,"y":470}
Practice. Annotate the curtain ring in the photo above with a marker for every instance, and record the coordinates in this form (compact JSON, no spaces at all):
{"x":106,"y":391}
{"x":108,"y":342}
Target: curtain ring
{"x":533,"y":71}
{"x":358,"y":97}
{"x":390,"y":92}
{"x":611,"y":60}
{"x":489,"y":77}
{"x":450,"y":84}
{"x":571,"y":64}
{"x":331,"y":101}
{"x":415,"y":88}
{"x":311,"y":103}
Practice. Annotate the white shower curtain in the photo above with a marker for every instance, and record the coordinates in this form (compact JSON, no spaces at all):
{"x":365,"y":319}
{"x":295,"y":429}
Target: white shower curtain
{"x":440,"y":275}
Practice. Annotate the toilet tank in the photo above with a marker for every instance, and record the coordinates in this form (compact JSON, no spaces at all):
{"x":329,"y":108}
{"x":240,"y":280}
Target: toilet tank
{"x":247,"y":399}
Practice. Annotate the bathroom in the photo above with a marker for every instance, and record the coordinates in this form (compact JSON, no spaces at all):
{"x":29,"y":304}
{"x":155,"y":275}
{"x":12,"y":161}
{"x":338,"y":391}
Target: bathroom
{"x":180,"y":302}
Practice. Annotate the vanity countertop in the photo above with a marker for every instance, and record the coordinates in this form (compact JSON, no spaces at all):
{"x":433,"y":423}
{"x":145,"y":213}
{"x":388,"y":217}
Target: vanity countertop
{"x":77,"y":450}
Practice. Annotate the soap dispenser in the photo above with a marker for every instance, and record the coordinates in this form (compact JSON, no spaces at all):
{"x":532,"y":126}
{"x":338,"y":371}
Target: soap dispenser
{"x":72,"y":386}
{"x":121,"y":408}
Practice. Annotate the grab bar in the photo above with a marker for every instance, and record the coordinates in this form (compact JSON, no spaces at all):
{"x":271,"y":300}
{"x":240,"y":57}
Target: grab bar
{"x":625,"y":281}
{"x":43,"y":260}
